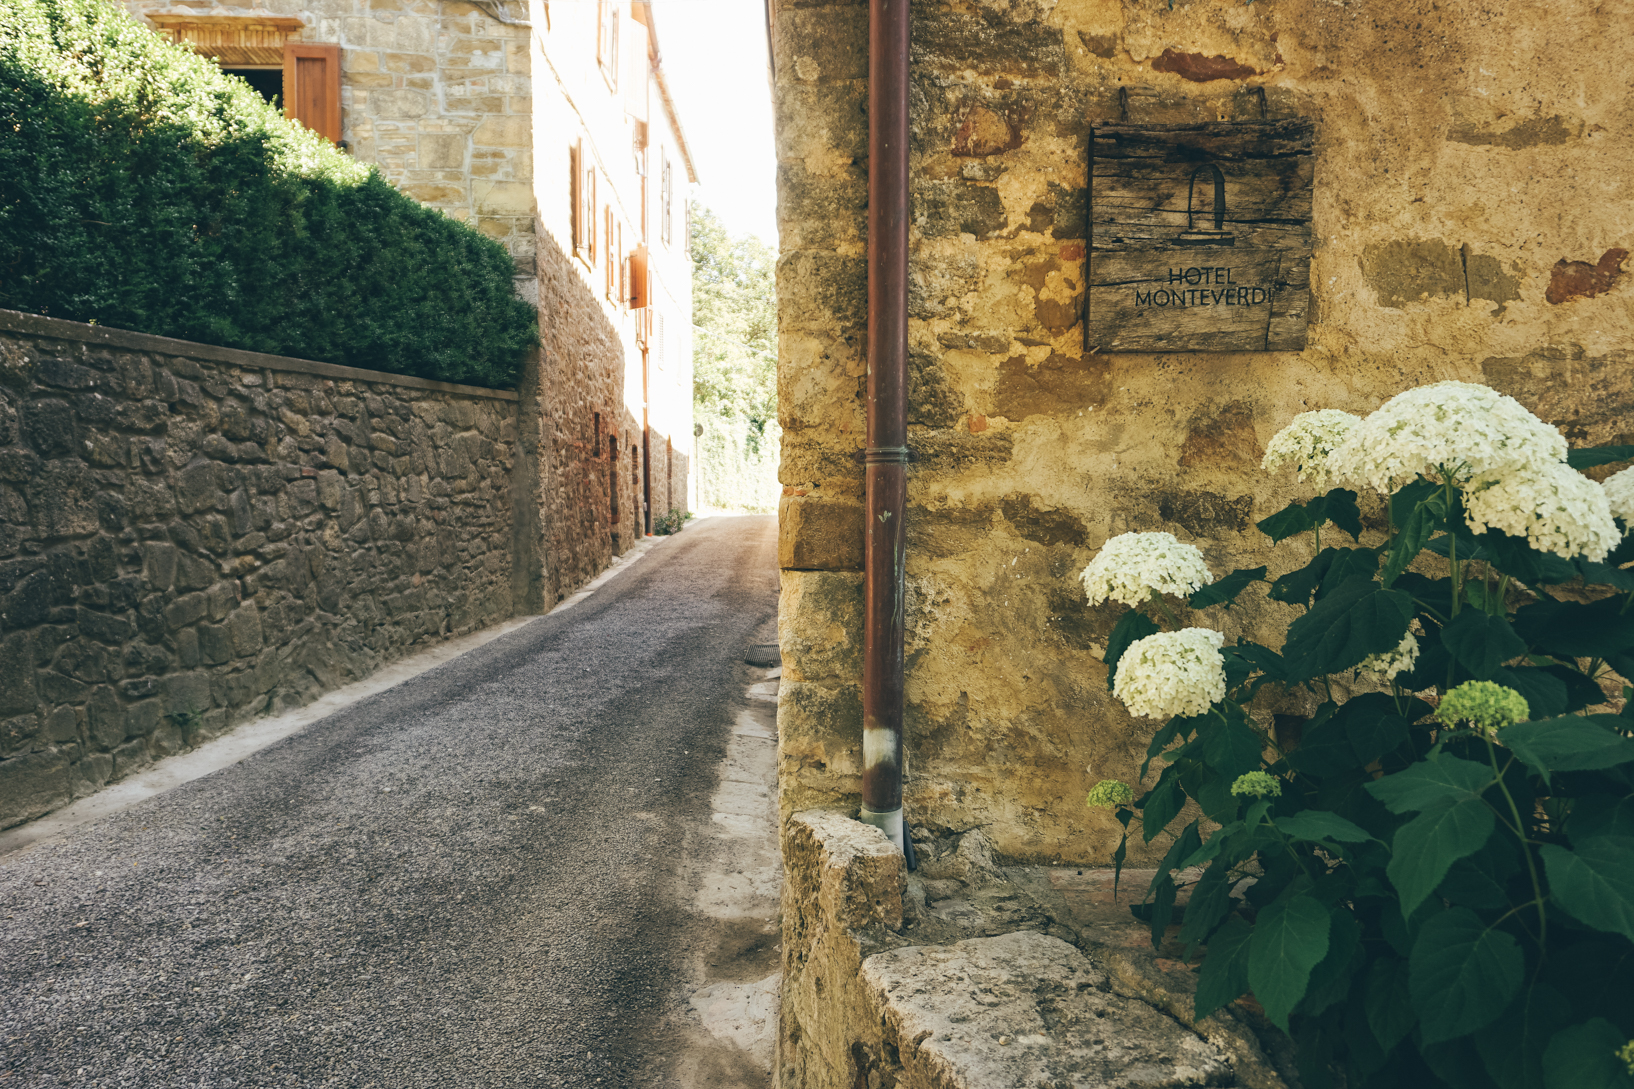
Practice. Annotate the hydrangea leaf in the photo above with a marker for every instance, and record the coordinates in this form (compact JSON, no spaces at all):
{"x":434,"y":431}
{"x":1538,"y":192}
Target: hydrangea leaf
{"x":1595,"y":882}
{"x":1340,"y":507}
{"x":1210,"y":902}
{"x":1546,"y":695}
{"x":1163,"y":804}
{"x":1364,"y":729}
{"x":1605,"y":574}
{"x":1571,"y":743}
{"x":1224,"y":976}
{"x":1224,"y":591}
{"x":1347,"y":564}
{"x":1481,"y":643}
{"x":1585,"y":1057}
{"x":1294,"y":519}
{"x":1131,"y":627}
{"x":1462,"y":974}
{"x":1570,"y":629}
{"x":1357,"y":619}
{"x":1416,"y":511}
{"x":1388,"y":1005}
{"x":1516,"y":557}
{"x":1331,"y":978}
{"x":1588,"y":457}
{"x":1316,"y":825}
{"x":1428,"y":782}
{"x":1513,"y":1046}
{"x":1231,"y":747}
{"x":1290,"y":939}
{"x":1426,"y":847}
{"x":1601,"y":815}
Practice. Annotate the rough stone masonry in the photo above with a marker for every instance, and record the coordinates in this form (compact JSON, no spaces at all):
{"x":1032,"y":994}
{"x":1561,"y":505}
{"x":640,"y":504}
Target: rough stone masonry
{"x":193,"y":536}
{"x":1471,"y":219}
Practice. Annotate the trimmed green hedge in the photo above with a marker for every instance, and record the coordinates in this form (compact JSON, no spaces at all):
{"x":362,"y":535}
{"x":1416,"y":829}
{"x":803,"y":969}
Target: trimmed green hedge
{"x":143,"y":188}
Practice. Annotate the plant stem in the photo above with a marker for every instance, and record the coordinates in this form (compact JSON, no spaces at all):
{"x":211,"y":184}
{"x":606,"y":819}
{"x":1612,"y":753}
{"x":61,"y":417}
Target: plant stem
{"x":1168,"y":612}
{"x":1520,"y":833}
{"x":1452,"y":551}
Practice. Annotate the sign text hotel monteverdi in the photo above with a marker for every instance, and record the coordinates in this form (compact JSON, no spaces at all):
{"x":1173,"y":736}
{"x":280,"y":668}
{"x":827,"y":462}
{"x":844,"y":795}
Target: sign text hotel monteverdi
{"x":1200,"y":237}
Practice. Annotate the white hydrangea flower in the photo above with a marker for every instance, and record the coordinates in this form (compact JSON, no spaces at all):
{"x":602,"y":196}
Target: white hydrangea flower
{"x":1456,"y":428}
{"x":1307,"y":443}
{"x":1391,"y":662}
{"x":1555,"y":507}
{"x":1131,"y":565}
{"x":1619,"y":489}
{"x":1172,"y":673}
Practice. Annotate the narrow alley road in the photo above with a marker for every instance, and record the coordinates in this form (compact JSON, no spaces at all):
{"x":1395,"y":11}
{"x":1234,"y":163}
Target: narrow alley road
{"x":486,"y":876}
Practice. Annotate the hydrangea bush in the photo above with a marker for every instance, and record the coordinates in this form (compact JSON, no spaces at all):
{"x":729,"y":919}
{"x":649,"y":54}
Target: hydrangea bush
{"x":1429,"y":879}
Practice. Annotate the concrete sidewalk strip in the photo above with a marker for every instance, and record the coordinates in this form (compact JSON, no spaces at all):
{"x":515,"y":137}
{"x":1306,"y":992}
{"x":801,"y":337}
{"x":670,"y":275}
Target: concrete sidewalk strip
{"x":251,"y":737}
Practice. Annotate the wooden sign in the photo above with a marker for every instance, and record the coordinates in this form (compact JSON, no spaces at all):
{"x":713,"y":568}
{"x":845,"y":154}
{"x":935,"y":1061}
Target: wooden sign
{"x":1199,"y":237}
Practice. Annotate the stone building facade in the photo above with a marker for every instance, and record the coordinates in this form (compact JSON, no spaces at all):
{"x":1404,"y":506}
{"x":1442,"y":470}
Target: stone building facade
{"x":486,"y":110}
{"x":1470,"y":221}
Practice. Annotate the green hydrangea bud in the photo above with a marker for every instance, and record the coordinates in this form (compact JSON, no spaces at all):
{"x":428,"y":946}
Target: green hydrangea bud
{"x":1484,"y":705}
{"x":1109,"y":794}
{"x":1257,"y":784}
{"x":1627,"y":1055}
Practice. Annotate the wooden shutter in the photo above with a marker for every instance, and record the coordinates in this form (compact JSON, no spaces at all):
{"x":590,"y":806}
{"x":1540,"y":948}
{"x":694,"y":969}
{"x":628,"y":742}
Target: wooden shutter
{"x":312,"y":87}
{"x":638,"y":278}
{"x":575,"y":157}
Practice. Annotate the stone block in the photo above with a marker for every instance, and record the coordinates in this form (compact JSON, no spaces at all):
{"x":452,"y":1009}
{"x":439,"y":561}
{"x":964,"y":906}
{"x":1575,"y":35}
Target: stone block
{"x":819,"y":626}
{"x":142,"y":718}
{"x":105,"y":718}
{"x":130,"y":757}
{"x":400,"y":104}
{"x":197,"y":486}
{"x":55,"y":687}
{"x":159,"y":564}
{"x":90,"y":774}
{"x":16,"y":674}
{"x":32,"y":784}
{"x":245,"y":628}
{"x":819,"y":534}
{"x":215,"y":644}
{"x":186,"y":610}
{"x":62,"y":725}
{"x":222,"y":598}
{"x":104,"y":628}
{"x":503,"y":198}
{"x":48,"y":427}
{"x":504,"y":131}
{"x":187,"y":693}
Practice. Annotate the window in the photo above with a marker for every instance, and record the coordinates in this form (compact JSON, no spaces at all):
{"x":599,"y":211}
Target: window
{"x":612,"y":475}
{"x":584,"y":205}
{"x":595,"y":446}
{"x":607,"y":41}
{"x":312,"y":87}
{"x":666,"y":197}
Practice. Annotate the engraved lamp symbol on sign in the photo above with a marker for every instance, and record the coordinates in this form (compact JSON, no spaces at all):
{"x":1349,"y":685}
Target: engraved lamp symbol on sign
{"x":1195,"y":236}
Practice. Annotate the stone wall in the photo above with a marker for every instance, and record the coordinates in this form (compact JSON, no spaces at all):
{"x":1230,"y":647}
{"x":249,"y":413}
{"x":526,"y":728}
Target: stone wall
{"x":1470,"y":216}
{"x":193,"y":536}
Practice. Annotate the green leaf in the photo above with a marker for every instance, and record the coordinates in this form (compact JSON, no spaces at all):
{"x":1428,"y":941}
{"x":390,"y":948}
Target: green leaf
{"x":1316,"y":825}
{"x":1389,"y":1007}
{"x":1296,"y":587}
{"x":1414,"y":524}
{"x":1512,"y":1047}
{"x":1588,"y":457}
{"x":1163,"y":804}
{"x":1570,"y":629}
{"x":1224,"y":591}
{"x":1362,"y":730}
{"x":1290,"y":939}
{"x":1330,"y":979}
{"x":1572,"y":743}
{"x":1294,"y":519}
{"x":1426,"y":846}
{"x":1605,"y":574}
{"x":1341,"y":509}
{"x":1594,"y":883}
{"x":1462,"y":974}
{"x":1600,"y":815}
{"x":1231,"y":748}
{"x":1515,"y":557}
{"x":1224,"y":975}
{"x":1585,"y":1057}
{"x":1355,"y":620}
{"x":1424,"y":784}
{"x":1210,"y":902}
{"x":1546,"y":694}
{"x":1131,"y":627}
{"x":1347,"y":564}
{"x":1581,"y":692}
{"x":1481,"y":643}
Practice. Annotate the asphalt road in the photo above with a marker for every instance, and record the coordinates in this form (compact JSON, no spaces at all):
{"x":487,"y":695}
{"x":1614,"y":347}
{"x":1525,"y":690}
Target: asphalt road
{"x":473,"y":879}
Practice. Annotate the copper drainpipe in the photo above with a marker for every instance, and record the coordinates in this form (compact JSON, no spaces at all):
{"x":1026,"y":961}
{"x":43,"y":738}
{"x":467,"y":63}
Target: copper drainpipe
{"x":887,"y":454}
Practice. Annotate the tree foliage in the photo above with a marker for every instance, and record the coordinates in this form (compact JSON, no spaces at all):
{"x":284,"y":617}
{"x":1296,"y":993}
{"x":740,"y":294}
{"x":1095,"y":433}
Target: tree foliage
{"x":734,"y":372}
{"x":142,"y":187}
